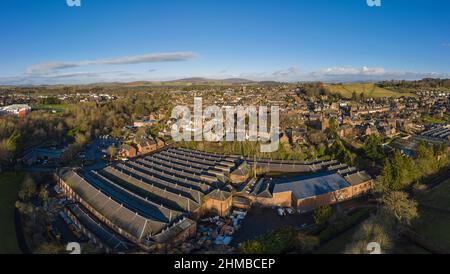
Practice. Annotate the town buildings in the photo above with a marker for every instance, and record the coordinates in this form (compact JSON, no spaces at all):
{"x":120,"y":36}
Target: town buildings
{"x":19,"y":110}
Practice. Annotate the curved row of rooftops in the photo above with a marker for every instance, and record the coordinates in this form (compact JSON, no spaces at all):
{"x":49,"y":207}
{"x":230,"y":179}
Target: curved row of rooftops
{"x":146,"y":196}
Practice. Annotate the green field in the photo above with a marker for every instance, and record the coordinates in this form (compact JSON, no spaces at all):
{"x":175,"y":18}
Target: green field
{"x":432,"y":120}
{"x":438,"y":197}
{"x":338,"y":244}
{"x":435,"y":224}
{"x":369,"y":90}
{"x":55,"y":107}
{"x":9,"y":186}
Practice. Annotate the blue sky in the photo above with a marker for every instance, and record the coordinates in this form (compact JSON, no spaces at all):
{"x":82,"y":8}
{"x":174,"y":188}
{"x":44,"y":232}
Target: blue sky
{"x":48,"y":42}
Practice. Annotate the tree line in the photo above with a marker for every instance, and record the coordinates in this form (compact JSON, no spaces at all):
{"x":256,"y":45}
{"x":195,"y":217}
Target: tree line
{"x":77,"y":125}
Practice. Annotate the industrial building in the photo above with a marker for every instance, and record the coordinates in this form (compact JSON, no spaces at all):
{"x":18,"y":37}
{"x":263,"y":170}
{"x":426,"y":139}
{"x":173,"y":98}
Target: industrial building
{"x":19,"y":110}
{"x":439,"y":133}
{"x":148,"y":198}
{"x":330,"y":183}
{"x":154,"y":201}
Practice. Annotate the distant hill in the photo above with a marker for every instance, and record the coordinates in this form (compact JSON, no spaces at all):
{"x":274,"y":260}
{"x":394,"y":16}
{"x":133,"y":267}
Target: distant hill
{"x":182,"y":82}
{"x":238,"y":81}
{"x":201,"y":80}
{"x":192,"y":80}
{"x":369,"y":90}
{"x":270,"y":83}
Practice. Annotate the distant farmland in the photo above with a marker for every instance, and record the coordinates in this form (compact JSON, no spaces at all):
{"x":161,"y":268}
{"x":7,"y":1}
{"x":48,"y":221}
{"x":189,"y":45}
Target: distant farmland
{"x":369,"y":90}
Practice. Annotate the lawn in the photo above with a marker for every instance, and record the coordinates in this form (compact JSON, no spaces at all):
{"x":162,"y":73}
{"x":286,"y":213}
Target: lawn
{"x":433,"y":120}
{"x":438,"y":197}
{"x":53,"y":107}
{"x":338,"y":244}
{"x":434,"y":224}
{"x":9,"y":186}
{"x":404,"y":246}
{"x":369,"y":90}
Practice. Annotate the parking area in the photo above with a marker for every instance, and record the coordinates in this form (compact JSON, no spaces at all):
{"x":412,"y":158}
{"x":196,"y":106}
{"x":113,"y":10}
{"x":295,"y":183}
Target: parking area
{"x":95,"y":153}
{"x":261,"y":220}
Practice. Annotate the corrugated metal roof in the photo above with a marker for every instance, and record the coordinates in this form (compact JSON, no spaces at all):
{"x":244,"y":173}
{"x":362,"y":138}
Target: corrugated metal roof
{"x":302,"y":187}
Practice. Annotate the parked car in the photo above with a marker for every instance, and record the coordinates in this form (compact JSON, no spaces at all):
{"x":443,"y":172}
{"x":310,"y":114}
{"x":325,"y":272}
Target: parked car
{"x":290,"y":210}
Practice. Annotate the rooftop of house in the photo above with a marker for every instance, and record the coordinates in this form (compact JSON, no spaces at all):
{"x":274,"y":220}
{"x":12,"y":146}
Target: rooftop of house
{"x":357,"y":177}
{"x":173,"y":231}
{"x":219,"y":194}
{"x":243,"y":169}
{"x":262,"y":189}
{"x":111,"y":239}
{"x":143,"y":142}
{"x":126,"y":147}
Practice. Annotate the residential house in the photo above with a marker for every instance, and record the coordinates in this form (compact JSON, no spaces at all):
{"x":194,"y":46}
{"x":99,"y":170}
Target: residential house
{"x":146,"y":145}
{"x":127,"y":151}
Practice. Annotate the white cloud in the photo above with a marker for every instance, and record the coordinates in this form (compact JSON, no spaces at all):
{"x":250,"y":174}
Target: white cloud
{"x":290,"y":72}
{"x":77,"y":74}
{"x":343,"y":74}
{"x":58,"y":78}
{"x":339,"y":71}
{"x":51,"y":75}
{"x":334,"y":74}
{"x":43,"y":68}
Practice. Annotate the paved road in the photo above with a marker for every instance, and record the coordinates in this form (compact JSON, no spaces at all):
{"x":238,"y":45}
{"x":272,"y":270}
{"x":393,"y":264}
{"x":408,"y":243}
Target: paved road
{"x":94,"y":153}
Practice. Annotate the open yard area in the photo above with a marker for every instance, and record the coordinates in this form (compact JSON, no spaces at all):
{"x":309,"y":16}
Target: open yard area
{"x":434,"y":222}
{"x":435,"y":226}
{"x":9,"y":186}
{"x":338,"y":244}
{"x":369,"y":90}
{"x":51,"y":107}
{"x":438,"y":197}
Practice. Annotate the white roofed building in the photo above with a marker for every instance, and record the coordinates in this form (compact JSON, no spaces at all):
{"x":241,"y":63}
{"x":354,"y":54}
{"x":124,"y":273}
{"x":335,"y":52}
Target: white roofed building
{"x":20,"y":110}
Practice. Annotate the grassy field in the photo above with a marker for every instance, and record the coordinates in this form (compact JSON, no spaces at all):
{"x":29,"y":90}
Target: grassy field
{"x":404,"y":246}
{"x":338,"y":244}
{"x":55,"y":107}
{"x":438,"y":197}
{"x":434,"y":224}
{"x":9,"y":186}
{"x":433,"y":120}
{"x":369,"y":90}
